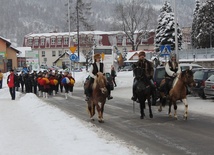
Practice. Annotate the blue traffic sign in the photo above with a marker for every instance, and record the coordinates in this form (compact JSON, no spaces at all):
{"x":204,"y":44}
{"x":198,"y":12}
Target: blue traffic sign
{"x":165,"y":50}
{"x":74,"y":57}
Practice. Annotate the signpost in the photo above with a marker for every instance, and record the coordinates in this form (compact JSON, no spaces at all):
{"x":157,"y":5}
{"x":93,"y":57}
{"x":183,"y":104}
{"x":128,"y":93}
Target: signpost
{"x":165,"y":50}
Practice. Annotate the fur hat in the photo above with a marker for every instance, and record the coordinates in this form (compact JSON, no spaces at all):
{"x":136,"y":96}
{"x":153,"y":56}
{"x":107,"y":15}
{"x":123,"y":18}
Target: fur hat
{"x":11,"y":70}
{"x":97,"y":56}
{"x":142,"y":53}
{"x":172,"y":55}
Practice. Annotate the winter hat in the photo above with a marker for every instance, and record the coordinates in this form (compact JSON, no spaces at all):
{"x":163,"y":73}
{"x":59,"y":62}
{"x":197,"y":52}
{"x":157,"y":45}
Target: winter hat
{"x":97,"y":56}
{"x":142,"y":53}
{"x":172,"y":55}
{"x":11,"y":70}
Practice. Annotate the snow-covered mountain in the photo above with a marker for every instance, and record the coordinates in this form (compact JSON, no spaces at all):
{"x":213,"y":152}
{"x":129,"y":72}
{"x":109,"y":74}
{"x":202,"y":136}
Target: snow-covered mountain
{"x":21,"y":17}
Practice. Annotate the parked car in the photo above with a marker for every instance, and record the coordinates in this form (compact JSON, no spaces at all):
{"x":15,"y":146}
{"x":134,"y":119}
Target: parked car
{"x":126,"y":68}
{"x":209,"y":87}
{"x":185,"y":66}
{"x":200,"y":76}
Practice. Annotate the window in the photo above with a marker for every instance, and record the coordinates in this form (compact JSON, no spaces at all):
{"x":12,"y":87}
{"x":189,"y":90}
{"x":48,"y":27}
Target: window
{"x":53,"y":53}
{"x":119,"y":39}
{"x":36,"y":42}
{"x":65,"y":41}
{"x":43,"y":53}
{"x":59,"y":53}
{"x":29,"y":42}
{"x":53,"y":40}
{"x":59,"y":41}
{"x":42,"y":43}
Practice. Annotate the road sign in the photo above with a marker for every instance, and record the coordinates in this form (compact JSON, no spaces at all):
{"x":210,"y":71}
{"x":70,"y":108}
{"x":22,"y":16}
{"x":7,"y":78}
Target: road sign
{"x":74,"y":57}
{"x":165,"y":50}
{"x":73,"y":49}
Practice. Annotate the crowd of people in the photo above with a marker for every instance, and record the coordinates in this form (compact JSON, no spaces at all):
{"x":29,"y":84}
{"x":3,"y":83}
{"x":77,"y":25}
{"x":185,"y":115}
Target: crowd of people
{"x":42,"y":83}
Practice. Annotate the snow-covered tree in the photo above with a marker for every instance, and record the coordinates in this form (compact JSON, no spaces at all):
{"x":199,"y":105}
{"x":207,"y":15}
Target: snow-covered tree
{"x":194,"y":32}
{"x":165,"y":32}
{"x":204,"y":29}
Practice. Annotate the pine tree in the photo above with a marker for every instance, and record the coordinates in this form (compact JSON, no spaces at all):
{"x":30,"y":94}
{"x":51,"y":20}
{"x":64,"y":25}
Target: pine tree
{"x":165,"y":32}
{"x":205,"y":25}
{"x":195,"y":32}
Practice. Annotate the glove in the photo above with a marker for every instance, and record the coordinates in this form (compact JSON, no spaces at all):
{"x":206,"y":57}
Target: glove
{"x":174,"y":74}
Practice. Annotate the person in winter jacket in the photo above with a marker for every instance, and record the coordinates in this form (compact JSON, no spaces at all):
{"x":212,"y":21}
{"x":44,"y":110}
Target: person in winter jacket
{"x":11,"y":82}
{"x":96,"y":67}
{"x":113,"y":75}
{"x":172,"y":70}
{"x":1,"y":79}
{"x":71,"y":84}
{"x":147,"y":69}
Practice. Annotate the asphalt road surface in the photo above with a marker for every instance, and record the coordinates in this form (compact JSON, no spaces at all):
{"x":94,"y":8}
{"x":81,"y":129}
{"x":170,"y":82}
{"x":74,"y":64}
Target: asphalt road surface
{"x":160,"y":135}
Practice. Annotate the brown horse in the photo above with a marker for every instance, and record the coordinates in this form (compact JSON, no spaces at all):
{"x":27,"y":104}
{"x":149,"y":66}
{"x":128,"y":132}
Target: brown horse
{"x":99,"y":95}
{"x":179,"y":91}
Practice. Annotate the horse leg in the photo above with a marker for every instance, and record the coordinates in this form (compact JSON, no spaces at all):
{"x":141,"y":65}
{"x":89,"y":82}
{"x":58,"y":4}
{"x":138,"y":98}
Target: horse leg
{"x":150,"y":108}
{"x":170,"y":105}
{"x":91,"y":108}
{"x":99,"y":112}
{"x":175,"y":110}
{"x":102,"y":110}
{"x":186,"y":108}
{"x":142,"y":106}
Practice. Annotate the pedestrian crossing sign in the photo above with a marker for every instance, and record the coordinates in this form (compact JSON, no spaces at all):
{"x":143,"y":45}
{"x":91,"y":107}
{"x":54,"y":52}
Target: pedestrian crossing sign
{"x":165,"y":50}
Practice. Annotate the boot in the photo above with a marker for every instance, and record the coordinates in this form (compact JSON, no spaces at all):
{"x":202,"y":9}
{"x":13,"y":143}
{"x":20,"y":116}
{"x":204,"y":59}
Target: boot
{"x":66,"y":96}
{"x":110,"y":97}
{"x":134,"y":97}
{"x":46,"y":95}
{"x":40,"y":93}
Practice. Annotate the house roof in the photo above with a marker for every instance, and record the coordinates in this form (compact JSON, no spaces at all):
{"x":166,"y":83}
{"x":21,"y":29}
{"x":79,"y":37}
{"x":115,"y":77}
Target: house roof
{"x":8,"y":43}
{"x":82,"y":57}
{"x":23,"y":50}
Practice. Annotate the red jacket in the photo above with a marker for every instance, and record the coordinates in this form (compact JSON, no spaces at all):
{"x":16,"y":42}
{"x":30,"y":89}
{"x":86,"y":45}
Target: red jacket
{"x":11,"y":80}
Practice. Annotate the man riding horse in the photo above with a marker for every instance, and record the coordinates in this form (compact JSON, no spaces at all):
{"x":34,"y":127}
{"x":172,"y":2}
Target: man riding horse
{"x":96,"y":67}
{"x":147,"y":70}
{"x":172,"y":69}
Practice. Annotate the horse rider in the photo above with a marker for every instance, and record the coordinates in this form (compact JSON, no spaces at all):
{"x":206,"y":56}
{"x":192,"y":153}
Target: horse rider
{"x":96,"y":67}
{"x":148,"y":70}
{"x":172,"y":69}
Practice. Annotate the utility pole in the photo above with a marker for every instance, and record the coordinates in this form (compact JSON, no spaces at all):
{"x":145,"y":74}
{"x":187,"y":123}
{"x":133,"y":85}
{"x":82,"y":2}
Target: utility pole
{"x":176,"y":35}
{"x":78,"y":43}
{"x":69,"y":24}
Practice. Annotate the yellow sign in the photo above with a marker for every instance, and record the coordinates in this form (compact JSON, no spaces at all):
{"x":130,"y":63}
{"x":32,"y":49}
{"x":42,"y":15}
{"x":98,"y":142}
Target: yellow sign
{"x":103,"y":56}
{"x":73,"y":49}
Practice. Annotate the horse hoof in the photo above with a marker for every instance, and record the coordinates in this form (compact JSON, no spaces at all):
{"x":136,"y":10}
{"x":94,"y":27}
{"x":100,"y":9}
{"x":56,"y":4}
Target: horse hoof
{"x":185,"y":117}
{"x":100,"y":121}
{"x":92,"y":119}
{"x":151,"y":116}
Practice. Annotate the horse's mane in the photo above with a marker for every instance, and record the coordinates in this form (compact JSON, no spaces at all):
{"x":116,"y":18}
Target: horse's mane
{"x":100,"y":80}
{"x":182,"y":74}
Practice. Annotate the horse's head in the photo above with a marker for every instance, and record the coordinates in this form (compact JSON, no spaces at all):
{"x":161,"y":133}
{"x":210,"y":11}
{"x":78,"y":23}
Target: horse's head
{"x":187,"y":77}
{"x":100,"y":82}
